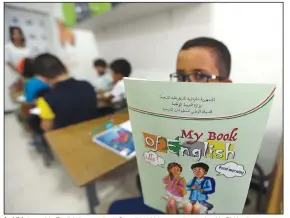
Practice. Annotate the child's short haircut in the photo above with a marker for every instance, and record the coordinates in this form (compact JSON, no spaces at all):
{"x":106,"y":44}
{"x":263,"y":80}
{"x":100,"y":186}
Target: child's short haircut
{"x":223,"y":56}
{"x":100,"y":63}
{"x":121,"y":66}
{"x":48,"y":66}
{"x":201,"y":165}
{"x":28,"y":68}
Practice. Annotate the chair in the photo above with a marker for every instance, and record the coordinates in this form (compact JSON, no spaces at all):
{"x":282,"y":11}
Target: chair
{"x":131,"y":206}
{"x":258,"y":184}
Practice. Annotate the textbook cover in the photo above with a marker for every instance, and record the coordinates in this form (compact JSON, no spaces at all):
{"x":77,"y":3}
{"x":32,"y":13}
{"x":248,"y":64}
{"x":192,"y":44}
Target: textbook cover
{"x":197,"y":142}
{"x":118,"y":139}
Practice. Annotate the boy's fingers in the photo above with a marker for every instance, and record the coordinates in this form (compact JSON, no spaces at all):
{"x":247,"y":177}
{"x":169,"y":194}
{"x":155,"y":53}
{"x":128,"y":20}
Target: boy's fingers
{"x":196,"y":209}
{"x":171,"y":206}
{"x":187,"y":209}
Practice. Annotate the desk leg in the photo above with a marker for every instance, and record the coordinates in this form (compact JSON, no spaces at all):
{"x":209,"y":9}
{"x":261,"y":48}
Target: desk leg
{"x":92,"y":197}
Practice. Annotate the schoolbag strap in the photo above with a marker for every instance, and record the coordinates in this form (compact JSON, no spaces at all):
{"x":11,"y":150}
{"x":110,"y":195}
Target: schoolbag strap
{"x":203,"y":182}
{"x":193,"y":181}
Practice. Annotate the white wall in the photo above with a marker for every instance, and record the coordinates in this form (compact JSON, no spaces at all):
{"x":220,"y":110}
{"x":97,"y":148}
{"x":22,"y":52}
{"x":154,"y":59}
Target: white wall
{"x":253,"y":33}
{"x":152,"y":42}
{"x":79,"y":57}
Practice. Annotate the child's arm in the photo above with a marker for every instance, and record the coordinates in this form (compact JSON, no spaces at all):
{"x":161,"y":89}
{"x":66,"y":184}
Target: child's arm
{"x":107,"y":97}
{"x":28,"y":92}
{"x":207,"y":186}
{"x":189,"y":185}
{"x":166,"y":180}
{"x":46,"y":115}
{"x":180,"y":184}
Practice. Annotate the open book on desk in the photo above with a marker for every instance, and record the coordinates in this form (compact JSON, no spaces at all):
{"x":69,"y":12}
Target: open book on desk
{"x":118,"y":139}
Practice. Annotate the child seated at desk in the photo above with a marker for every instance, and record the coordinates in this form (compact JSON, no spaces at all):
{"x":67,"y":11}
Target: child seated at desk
{"x":104,"y":82}
{"x":69,"y":101}
{"x":33,"y":87}
{"x":116,"y":97}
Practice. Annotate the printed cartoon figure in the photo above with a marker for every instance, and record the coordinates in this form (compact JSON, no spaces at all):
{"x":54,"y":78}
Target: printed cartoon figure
{"x":201,"y":186}
{"x":175,"y":184}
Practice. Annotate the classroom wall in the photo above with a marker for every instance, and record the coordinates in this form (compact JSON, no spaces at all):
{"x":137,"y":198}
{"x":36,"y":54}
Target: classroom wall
{"x":253,"y":33}
{"x":152,"y":42}
{"x":254,"y":36}
{"x":79,"y":58}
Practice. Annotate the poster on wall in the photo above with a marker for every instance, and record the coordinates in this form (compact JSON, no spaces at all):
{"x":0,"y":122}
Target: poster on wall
{"x":34,"y":29}
{"x":74,"y":13}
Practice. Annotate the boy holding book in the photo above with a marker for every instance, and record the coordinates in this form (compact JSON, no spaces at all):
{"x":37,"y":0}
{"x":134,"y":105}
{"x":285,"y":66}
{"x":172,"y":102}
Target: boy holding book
{"x":201,"y":60}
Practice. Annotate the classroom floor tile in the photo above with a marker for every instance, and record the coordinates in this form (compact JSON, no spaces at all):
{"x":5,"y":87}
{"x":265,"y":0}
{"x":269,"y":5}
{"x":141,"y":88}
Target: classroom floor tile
{"x":30,"y":187}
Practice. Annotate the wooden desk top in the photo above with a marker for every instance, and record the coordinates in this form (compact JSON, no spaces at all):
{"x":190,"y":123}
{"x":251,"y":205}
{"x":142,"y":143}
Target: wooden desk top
{"x":275,"y":202}
{"x":84,"y":160}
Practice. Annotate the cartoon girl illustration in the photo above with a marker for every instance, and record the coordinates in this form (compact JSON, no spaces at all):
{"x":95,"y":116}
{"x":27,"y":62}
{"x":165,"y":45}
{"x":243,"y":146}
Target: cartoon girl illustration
{"x":175,"y":184}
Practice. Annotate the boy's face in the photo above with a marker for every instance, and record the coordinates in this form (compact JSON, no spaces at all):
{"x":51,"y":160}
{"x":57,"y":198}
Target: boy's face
{"x":199,"y":172}
{"x":116,"y":76}
{"x":100,"y":70}
{"x":198,"y":59}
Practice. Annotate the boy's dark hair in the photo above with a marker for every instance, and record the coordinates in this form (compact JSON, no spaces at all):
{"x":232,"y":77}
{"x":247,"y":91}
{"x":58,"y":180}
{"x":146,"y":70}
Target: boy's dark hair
{"x":48,"y":66}
{"x":121,"y":66}
{"x":201,"y":165}
{"x":174,"y":165}
{"x":28,"y":69}
{"x":100,"y":63}
{"x":223,"y":59}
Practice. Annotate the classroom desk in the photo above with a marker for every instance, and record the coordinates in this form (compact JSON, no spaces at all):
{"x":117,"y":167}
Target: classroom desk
{"x":275,"y":194}
{"x":84,"y":160}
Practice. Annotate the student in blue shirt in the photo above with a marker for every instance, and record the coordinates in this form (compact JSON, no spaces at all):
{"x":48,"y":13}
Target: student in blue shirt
{"x":34,"y":87}
{"x":104,"y":82}
{"x":200,"y":186}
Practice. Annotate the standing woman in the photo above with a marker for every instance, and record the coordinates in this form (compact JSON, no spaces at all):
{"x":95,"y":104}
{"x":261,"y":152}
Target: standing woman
{"x":15,"y":50}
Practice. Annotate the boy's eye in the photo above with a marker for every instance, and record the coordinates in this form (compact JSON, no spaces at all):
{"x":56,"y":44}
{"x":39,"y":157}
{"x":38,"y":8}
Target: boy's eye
{"x":181,"y":77}
{"x":201,"y":75}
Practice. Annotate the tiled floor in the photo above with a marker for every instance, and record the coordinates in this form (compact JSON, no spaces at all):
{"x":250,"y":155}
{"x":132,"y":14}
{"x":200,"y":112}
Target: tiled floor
{"x":30,"y":187}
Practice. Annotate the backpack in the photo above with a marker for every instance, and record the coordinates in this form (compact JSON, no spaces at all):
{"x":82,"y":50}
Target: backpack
{"x":212,"y":181}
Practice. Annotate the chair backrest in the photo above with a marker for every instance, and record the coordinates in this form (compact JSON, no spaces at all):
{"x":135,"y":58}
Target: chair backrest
{"x":120,"y":105}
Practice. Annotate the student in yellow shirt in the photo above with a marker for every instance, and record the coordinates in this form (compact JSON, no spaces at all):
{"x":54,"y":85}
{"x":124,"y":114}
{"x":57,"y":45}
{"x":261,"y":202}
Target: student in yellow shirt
{"x":69,"y":101}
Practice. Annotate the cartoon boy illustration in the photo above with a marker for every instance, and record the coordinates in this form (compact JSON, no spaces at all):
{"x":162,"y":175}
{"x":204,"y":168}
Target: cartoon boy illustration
{"x":175,"y":184}
{"x":201,"y":186}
